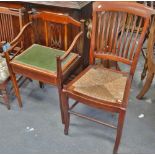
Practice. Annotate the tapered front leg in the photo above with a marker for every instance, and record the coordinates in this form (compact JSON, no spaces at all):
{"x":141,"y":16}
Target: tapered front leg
{"x":16,"y":89}
{"x":65,"y":102}
{"x":119,"y":130}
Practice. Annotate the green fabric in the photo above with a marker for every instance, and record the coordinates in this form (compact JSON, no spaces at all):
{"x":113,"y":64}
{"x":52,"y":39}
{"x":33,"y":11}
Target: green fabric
{"x":42,"y":57}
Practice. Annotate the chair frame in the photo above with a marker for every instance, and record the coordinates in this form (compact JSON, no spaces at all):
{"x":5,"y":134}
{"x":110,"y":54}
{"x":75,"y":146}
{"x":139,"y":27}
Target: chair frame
{"x":45,"y":76}
{"x":68,"y":92}
{"x":7,"y":34}
{"x":4,"y":92}
{"x":149,"y":62}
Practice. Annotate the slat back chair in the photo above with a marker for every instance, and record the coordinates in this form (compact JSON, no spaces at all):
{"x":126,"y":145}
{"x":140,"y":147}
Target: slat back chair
{"x":111,"y":39}
{"x":11,"y":22}
{"x":43,"y":63}
{"x":144,"y":49}
{"x":150,"y":61}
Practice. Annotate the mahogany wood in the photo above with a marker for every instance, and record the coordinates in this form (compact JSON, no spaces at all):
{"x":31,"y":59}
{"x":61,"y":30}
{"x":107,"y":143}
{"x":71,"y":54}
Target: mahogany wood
{"x":56,"y":79}
{"x":149,"y":61}
{"x":111,"y":39}
{"x":11,"y":22}
{"x":4,"y":93}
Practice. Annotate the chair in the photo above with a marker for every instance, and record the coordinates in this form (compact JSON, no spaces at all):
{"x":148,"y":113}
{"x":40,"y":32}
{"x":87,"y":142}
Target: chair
{"x":107,"y":88}
{"x":11,"y":22}
{"x":4,"y":78}
{"x":150,"y":63}
{"x":43,"y":63}
{"x":144,"y":49}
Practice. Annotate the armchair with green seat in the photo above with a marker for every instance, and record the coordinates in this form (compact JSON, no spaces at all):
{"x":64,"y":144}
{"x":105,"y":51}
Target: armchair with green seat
{"x":50,"y":63}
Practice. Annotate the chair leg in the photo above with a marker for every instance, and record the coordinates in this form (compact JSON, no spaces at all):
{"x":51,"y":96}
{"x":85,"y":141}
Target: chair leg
{"x":5,"y":98}
{"x":16,"y":89}
{"x":119,"y":130}
{"x":41,"y":85}
{"x":61,"y":105}
{"x":147,"y":85}
{"x":143,"y":75}
{"x":66,"y":113}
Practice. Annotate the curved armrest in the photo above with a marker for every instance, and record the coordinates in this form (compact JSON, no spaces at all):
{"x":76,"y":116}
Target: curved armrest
{"x":15,"y":42}
{"x":71,"y":46}
{"x":61,"y":58}
{"x":20,"y":33}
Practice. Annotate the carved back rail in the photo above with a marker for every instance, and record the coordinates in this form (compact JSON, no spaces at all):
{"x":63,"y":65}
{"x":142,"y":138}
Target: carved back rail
{"x":113,"y":34}
{"x":10,"y":23}
{"x":55,"y":28}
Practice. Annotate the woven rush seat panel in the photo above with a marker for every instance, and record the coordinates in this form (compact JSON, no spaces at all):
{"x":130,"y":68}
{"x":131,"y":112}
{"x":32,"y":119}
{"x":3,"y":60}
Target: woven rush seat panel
{"x":42,"y":57}
{"x":102,"y":84}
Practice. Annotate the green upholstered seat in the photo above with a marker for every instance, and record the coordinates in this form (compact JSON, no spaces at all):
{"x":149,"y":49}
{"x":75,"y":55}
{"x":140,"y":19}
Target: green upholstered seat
{"x":43,"y":57}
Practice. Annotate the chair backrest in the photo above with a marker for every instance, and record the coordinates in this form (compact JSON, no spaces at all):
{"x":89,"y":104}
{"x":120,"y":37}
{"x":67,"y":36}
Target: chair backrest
{"x":152,"y":5}
{"x":150,"y":46}
{"x":11,"y":22}
{"x":113,"y":34}
{"x":55,"y":27}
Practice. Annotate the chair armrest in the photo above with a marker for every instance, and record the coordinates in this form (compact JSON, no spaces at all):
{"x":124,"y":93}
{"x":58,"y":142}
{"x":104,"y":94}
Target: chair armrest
{"x":71,"y":46}
{"x":16,"y":41}
{"x":60,"y":59}
{"x":20,"y":33}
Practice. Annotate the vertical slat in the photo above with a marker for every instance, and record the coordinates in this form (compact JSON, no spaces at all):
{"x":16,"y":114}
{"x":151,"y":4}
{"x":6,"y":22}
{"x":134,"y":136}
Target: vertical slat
{"x":92,"y":47}
{"x":3,"y":27}
{"x":7,"y":28}
{"x":107,"y":32}
{"x":103,"y":30}
{"x":112,"y":31}
{"x":46,"y":33}
{"x":1,"y":35}
{"x":50,"y":30}
{"x":66,"y":37}
{"x":134,"y":42}
{"x":117,"y":31}
{"x":21,"y":24}
{"x":126,"y":35}
{"x":60,"y":36}
{"x":122,"y":32}
{"x":130,"y":38}
{"x":11,"y":25}
{"x":98,"y":31}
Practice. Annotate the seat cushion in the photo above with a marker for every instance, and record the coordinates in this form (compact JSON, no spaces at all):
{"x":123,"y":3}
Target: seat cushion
{"x":102,"y":84}
{"x":42,"y":57}
{"x":4,"y":73}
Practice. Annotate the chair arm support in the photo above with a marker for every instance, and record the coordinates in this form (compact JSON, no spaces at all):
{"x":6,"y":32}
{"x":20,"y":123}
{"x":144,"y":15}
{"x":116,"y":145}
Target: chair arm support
{"x":71,"y":46}
{"x":21,"y":33}
{"x":127,"y":91}
{"x":15,"y":42}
